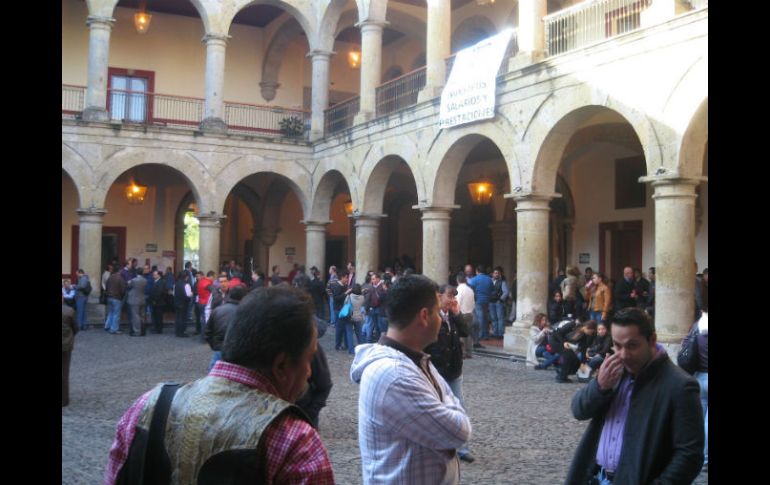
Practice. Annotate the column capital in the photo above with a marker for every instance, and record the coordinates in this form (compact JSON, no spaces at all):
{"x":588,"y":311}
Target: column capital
{"x":91,"y":214}
{"x":320,"y":53}
{"x":436,"y":212}
{"x":267,"y":236}
{"x":210,"y":220}
{"x":532,"y":200}
{"x":215,"y":39}
{"x":372,"y":25}
{"x":95,"y":21}
{"x":315,"y":225}
{"x":367,"y":220}
{"x":662,"y":178}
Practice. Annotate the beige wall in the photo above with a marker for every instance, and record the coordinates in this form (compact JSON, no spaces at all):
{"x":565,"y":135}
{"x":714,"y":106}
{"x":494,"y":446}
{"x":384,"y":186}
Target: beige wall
{"x":592,"y":181}
{"x":179,"y":57}
{"x":702,"y":236}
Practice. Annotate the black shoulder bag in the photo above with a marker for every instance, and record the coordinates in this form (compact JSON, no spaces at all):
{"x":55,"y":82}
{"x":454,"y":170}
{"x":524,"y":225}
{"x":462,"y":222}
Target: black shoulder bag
{"x":147,"y":461}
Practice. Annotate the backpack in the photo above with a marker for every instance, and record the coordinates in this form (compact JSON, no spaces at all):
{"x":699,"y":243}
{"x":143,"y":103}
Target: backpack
{"x":688,"y":358}
{"x":87,"y":289}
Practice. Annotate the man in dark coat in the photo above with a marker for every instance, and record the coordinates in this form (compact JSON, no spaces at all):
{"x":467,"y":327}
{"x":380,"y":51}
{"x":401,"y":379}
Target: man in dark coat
{"x":646,"y":419}
{"x":320,"y":381}
{"x":216,"y":325}
{"x":446,"y":353}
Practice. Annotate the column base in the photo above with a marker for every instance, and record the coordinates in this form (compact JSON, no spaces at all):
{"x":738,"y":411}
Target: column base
{"x":523,"y":59}
{"x":315,"y":135}
{"x":213,"y":125}
{"x":429,"y":92}
{"x":363,"y":117}
{"x":516,"y":338}
{"x":95,"y":114}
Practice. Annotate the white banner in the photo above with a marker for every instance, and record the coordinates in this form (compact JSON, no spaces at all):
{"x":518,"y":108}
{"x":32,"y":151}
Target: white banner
{"x":469,"y":94}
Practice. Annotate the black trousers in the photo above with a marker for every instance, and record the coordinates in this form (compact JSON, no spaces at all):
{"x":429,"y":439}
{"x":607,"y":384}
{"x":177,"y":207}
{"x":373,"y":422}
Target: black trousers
{"x":180,"y":323}
{"x":157,"y":318}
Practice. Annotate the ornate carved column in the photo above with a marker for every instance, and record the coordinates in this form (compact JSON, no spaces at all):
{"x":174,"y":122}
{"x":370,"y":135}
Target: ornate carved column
{"x":214,"y":107}
{"x":100,"y":29}
{"x":435,"y":242}
{"x":439,"y":46}
{"x":367,"y":241}
{"x":532,"y":267}
{"x":371,"y":65}
{"x":320,"y":91}
{"x":208,"y":248}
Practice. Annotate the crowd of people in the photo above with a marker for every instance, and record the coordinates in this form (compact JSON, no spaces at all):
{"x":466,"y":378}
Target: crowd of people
{"x":268,"y":378}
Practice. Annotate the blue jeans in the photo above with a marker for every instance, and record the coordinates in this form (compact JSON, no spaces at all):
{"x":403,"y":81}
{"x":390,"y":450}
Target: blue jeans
{"x":113,"y":319}
{"x":332,"y":313}
{"x":375,"y":325}
{"x":497,"y":312}
{"x":549,"y":359}
{"x":80,"y":311}
{"x":214,"y":358}
{"x":457,"y":389}
{"x":481,"y":311}
{"x":340,"y":332}
{"x":595,"y":316}
{"x":703,"y":380}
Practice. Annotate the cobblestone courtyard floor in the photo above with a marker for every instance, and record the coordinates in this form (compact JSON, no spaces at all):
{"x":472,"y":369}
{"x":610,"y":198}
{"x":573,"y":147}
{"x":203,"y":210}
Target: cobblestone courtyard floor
{"x":523,"y":432}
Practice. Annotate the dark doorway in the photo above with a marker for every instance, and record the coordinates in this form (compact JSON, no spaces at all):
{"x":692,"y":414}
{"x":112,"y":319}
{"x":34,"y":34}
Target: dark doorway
{"x":480,"y":237}
{"x":109,"y":249}
{"x":620,"y":245}
{"x":335,"y":254}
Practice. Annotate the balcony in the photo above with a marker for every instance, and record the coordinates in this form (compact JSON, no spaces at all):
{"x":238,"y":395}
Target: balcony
{"x":593,"y":21}
{"x":153,"y":109}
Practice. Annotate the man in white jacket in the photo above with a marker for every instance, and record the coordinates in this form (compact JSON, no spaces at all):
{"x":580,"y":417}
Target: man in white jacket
{"x":409,"y":422}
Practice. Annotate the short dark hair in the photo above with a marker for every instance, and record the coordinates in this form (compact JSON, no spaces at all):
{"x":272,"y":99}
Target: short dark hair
{"x":210,"y":274}
{"x":460,"y":277}
{"x":410,"y":294}
{"x":269,"y":321}
{"x":237,"y":292}
{"x":634,"y":316}
{"x":443,"y":289}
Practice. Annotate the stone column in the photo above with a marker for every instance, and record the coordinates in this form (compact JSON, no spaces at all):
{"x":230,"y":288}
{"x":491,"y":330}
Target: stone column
{"x":531,"y":268}
{"x":367,"y":241}
{"x":320,"y":91}
{"x":90,"y":258}
{"x":531,"y":33}
{"x":267,"y":237}
{"x":208,"y":246}
{"x":371,"y":65}
{"x":315,"y":244}
{"x":439,"y":46}
{"x":98,"y":54}
{"x":674,"y":257}
{"x":214,"y":107}
{"x":435,"y":242}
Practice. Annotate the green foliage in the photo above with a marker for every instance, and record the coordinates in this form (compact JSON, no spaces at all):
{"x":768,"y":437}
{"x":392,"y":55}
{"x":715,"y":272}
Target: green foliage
{"x":292,"y":126}
{"x":191,"y":233}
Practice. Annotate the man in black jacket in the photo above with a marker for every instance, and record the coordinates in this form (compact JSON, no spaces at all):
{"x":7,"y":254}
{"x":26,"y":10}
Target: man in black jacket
{"x":319,"y":385}
{"x":446,"y":353}
{"x":656,"y":437}
{"x":216,"y":325}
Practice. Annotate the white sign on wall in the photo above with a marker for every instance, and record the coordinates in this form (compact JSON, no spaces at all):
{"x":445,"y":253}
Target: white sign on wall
{"x":469,"y":94}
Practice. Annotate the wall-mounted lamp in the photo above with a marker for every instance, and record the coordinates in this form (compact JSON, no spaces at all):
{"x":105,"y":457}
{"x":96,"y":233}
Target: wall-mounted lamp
{"x":142,"y":19}
{"x":481,"y":191}
{"x":354,"y":59}
{"x":348,"y":207}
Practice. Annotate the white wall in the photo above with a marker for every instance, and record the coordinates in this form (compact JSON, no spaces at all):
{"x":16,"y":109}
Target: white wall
{"x":592,"y":181}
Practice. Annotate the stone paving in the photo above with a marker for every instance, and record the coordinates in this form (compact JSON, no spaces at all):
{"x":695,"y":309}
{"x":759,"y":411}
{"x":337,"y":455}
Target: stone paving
{"x":523,"y":432}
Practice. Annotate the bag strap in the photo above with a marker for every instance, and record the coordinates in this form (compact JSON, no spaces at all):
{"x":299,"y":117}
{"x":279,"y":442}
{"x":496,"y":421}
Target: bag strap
{"x":157,"y":465}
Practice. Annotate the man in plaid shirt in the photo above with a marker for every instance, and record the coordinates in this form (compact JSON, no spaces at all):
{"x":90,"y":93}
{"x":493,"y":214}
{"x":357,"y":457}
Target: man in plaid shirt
{"x":410,"y":424}
{"x":237,"y":425}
